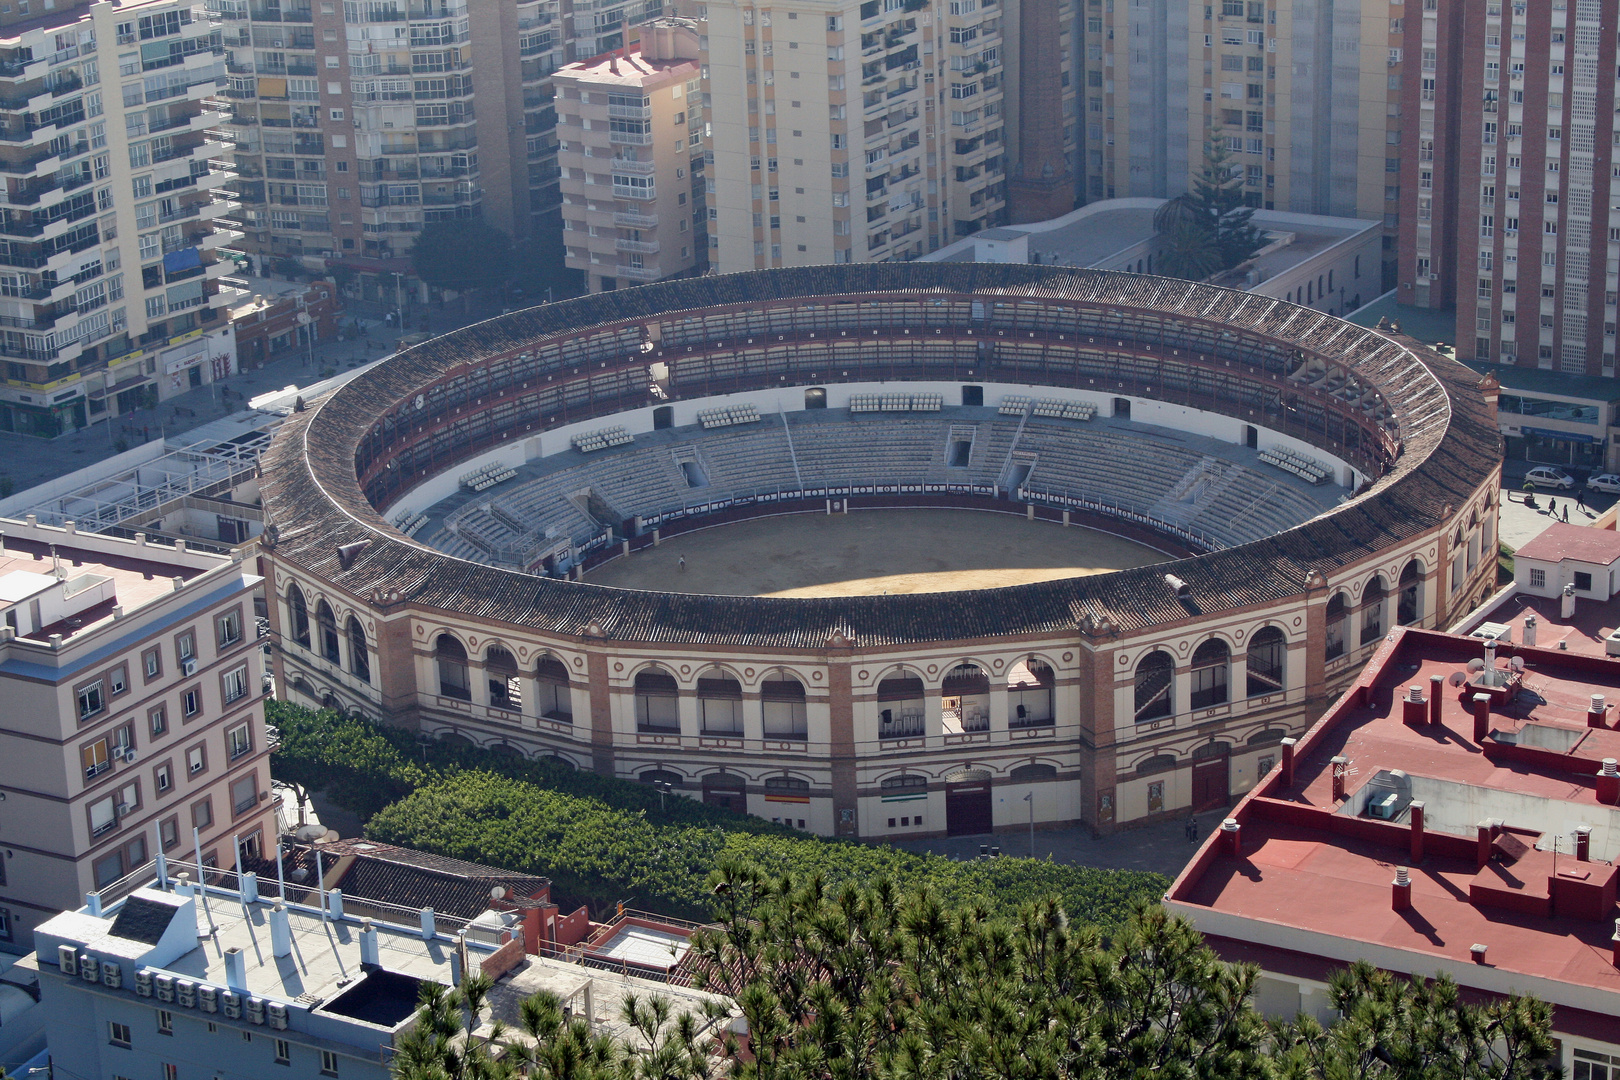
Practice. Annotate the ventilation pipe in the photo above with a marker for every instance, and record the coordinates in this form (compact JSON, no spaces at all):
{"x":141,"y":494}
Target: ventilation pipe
{"x":1437,"y":689}
{"x":1482,"y":717}
{"x":1608,"y":782}
{"x":1583,"y":843}
{"x":1232,"y":837}
{"x":1417,"y":831}
{"x":368,"y":944}
{"x":1566,"y":603}
{"x":1400,"y":892}
{"x":1594,"y":714}
{"x":1340,"y":764}
{"x":1414,"y":710}
{"x":235,"y":969}
{"x":1530,"y":631}
{"x":1288,"y":762}
{"x":280,"y":931}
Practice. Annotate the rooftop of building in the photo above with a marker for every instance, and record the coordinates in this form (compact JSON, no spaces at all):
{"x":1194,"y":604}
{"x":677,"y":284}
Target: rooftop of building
{"x":1582,"y":543}
{"x":623,"y":67}
{"x":1545,"y":919}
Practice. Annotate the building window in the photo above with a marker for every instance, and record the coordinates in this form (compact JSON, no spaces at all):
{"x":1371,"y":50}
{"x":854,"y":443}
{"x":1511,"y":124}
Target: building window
{"x":283,"y":1052}
{"x":169,"y":832}
{"x":1538,"y":579}
{"x":165,"y":1020}
{"x":245,"y":793}
{"x":328,"y":1063}
{"x":91,"y":700}
{"x":5,"y":918}
{"x":118,"y":681}
{"x":359,"y":658}
{"x":239,"y":740}
{"x":1210,"y":664}
{"x":157,"y":721}
{"x":1155,"y":795}
{"x":108,"y":870}
{"x":234,"y":684}
{"x":95,"y":759}
{"x":196,"y":760}
{"x":103,"y":815}
{"x":1154,"y":678}
{"x":118,"y":1034}
{"x":152,"y":663}
{"x":171,"y":1071}
{"x":202,"y":814}
{"x":1583,"y":581}
{"x":190,"y":702}
{"x":229,"y":626}
{"x":1268,"y":652}
{"x":185,"y":647}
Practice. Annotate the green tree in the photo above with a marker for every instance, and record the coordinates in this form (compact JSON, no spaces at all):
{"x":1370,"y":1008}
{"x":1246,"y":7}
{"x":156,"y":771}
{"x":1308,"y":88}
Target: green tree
{"x":1208,"y":229}
{"x":463,"y":254}
{"x":1410,"y":1028}
{"x":445,"y":1043}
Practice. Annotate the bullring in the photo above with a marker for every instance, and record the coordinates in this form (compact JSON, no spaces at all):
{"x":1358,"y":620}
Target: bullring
{"x":1312,"y":483}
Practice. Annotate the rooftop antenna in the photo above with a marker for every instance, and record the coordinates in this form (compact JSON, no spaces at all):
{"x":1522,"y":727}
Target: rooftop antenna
{"x":281,"y":880}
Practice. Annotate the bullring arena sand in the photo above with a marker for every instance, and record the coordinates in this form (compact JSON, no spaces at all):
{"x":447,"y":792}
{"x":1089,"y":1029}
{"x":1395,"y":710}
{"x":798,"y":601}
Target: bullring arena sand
{"x":867,"y":552}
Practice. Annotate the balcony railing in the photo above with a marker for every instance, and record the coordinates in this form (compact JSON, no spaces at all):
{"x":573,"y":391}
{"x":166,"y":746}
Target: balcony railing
{"x":645,"y":273}
{"x":635,"y":221}
{"x":642,"y":246}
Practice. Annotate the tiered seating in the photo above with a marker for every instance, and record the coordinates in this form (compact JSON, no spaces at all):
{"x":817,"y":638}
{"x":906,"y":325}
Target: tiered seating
{"x":1065,"y":410}
{"x":1301,"y":466}
{"x":486,"y":476}
{"x":727,"y":415}
{"x":410,"y":523}
{"x":745,"y":462}
{"x":601,"y":439}
{"x":1013,"y":405}
{"x":890,"y":402}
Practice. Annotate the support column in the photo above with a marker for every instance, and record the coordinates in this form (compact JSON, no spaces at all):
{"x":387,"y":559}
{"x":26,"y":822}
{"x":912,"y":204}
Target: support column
{"x":841,"y":737}
{"x":686,"y":707}
{"x":601,"y":699}
{"x":1000,"y":709}
{"x":753,"y":710}
{"x":933,"y":714}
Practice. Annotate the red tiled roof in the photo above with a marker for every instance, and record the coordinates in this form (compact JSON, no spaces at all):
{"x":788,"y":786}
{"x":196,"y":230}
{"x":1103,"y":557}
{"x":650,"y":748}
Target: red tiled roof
{"x":1579,"y":542}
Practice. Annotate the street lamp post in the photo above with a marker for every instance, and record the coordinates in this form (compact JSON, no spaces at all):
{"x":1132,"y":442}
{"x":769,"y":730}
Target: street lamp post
{"x":663,"y":787}
{"x":1030,"y":798}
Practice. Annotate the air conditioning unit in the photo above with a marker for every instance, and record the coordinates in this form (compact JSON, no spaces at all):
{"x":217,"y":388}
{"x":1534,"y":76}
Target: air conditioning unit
{"x":231,"y":1004}
{"x":208,"y":999}
{"x":277,"y":1012}
{"x":255,"y":1010}
{"x":67,"y":959}
{"x":112,"y":974}
{"x":89,"y":968}
{"x":185,"y":993}
{"x":1384,"y":807}
{"x":143,"y":983}
{"x":188,"y":667}
{"x":164,"y":985}
{"x":129,"y":756}
{"x":123,"y":809}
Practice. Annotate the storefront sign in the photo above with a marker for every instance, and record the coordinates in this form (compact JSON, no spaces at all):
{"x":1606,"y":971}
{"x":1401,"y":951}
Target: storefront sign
{"x":1567,"y":436}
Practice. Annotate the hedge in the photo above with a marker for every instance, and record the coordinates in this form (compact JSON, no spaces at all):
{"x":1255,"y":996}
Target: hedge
{"x":602,"y":840}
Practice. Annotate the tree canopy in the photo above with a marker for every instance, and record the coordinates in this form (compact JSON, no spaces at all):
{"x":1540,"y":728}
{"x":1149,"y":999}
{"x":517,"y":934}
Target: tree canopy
{"x":463,"y":254}
{"x":1208,"y":229}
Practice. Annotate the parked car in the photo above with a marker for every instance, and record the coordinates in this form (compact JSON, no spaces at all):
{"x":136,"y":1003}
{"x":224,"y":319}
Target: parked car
{"x":1547,"y":476}
{"x":1606,"y":482}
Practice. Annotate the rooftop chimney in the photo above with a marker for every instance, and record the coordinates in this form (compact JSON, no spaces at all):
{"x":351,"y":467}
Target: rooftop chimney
{"x":1583,"y":843}
{"x":1530,"y":630}
{"x":1483,"y":853}
{"x":368,"y":944}
{"x":235,"y":969}
{"x":1414,"y":710}
{"x":429,"y":929}
{"x":250,"y":888}
{"x":1566,"y":603}
{"x":1416,"y":808}
{"x":1288,"y":762}
{"x":1400,"y":892}
{"x":280,"y":931}
{"x":1340,"y":764}
{"x":1232,"y":837}
{"x":334,"y":904}
{"x":1615,"y":956}
{"x":1437,"y":689}
{"x":1477,"y":951}
{"x":1608,"y":782}
{"x":1594,"y":715}
{"x":1482,"y":717}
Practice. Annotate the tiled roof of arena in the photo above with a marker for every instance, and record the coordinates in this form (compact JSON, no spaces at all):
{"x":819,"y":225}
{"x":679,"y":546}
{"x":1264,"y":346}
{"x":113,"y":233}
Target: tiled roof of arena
{"x":314,"y":502}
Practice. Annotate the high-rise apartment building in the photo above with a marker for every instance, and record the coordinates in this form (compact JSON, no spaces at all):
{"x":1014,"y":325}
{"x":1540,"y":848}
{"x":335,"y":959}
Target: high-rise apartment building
{"x":1510,"y":198}
{"x":109,"y":293}
{"x":851,"y":131}
{"x":1306,"y":97}
{"x":631,"y":146}
{"x":357,"y":122}
{"x":134,"y":714}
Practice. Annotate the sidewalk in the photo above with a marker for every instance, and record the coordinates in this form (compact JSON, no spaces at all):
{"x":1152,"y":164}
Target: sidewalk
{"x":1162,"y":847}
{"x":28,"y":461}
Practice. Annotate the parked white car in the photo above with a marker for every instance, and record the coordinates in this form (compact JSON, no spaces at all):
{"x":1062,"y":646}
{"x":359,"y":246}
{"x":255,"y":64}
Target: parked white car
{"x":1546,"y":476}
{"x":1606,"y":482}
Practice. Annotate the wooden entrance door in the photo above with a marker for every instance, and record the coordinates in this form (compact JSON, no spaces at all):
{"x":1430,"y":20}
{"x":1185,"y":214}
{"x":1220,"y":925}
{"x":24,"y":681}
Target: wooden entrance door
{"x":967,"y":802}
{"x":726,"y":792}
{"x":1211,"y":778}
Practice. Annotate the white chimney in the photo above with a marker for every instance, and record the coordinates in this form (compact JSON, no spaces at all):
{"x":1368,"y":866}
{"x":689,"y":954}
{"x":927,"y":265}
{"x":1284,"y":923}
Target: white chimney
{"x":1530,"y":630}
{"x":1566,"y":603}
{"x":235,"y":969}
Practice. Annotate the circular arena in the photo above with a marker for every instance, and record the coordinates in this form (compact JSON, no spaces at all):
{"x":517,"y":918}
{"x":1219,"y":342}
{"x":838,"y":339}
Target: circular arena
{"x":883,"y":551}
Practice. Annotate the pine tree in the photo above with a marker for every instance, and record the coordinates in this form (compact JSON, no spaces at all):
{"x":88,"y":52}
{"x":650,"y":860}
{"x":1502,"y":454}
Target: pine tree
{"x":1208,"y":230}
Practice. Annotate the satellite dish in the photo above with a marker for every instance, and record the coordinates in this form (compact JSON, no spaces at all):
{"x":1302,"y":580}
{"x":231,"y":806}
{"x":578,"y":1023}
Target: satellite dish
{"x":1457,"y":678}
{"x":497,"y":892}
{"x":1517,"y":663}
{"x":1476,"y":664}
{"x":310,"y":833}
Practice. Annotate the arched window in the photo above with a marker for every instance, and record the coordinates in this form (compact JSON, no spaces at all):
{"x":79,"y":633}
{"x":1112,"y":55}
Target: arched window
{"x":900,"y":706}
{"x":556,"y":700}
{"x":1409,"y":602}
{"x":661,"y":776}
{"x":329,"y":634}
{"x":1155,"y":675}
{"x":965,"y":699}
{"x":300,"y":614}
{"x":359,"y":655}
{"x":1372,"y":610}
{"x":452,"y":660}
{"x":657,"y":702}
{"x":783,"y":699}
{"x":909,"y":782}
{"x":1210,"y":664}
{"x":505,"y":689}
{"x":1029,"y":694}
{"x":1268,"y":660}
{"x":1158,"y":763}
{"x":1337,"y":615}
{"x":1034,"y":773}
{"x":719,"y":703}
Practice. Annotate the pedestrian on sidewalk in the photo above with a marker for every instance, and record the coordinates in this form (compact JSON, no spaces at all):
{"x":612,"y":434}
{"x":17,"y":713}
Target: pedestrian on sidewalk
{"x":1192,"y":830}
{"x":1566,"y":509}
{"x":1552,"y":507}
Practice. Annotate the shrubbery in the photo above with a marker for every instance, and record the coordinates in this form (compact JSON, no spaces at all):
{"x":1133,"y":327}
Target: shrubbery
{"x":601,"y":840}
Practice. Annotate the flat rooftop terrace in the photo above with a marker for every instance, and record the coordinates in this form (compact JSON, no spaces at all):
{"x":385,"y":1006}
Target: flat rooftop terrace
{"x":136,"y":580}
{"x":1314,"y":869}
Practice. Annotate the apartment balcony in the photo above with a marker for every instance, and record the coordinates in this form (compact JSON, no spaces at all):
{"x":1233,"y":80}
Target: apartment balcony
{"x":635,"y":221}
{"x":640,"y":246}
{"x":641,"y":273}
{"x":629,"y":138}
{"x":630,"y":112}
{"x":630,"y":165}
{"x":646,"y":194}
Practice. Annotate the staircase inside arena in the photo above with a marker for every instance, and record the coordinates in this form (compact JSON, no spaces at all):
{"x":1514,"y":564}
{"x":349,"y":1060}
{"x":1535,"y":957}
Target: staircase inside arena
{"x":1199,"y":488}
